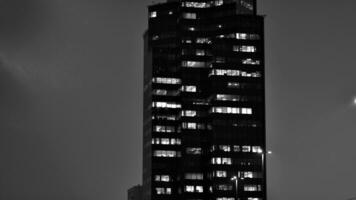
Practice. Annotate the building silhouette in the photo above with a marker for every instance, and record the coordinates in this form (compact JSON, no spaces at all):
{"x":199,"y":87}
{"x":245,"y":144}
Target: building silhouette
{"x":135,"y":193}
{"x":204,"y":101}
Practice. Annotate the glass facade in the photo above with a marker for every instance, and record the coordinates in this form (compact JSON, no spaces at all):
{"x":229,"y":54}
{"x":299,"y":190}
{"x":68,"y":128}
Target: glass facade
{"x":204,"y":101}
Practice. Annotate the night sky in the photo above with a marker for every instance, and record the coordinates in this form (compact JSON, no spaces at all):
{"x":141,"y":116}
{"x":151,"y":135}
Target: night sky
{"x":71,"y":98}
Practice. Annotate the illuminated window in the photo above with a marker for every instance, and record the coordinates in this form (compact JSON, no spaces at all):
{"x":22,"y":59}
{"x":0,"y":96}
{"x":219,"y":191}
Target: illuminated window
{"x":189,"y":15}
{"x":189,"y":88}
{"x":193,"y":151}
{"x":166,"y":105}
{"x":200,"y":52}
{"x":163,"y":191}
{"x":231,"y":72}
{"x":225,"y":198}
{"x":250,"y":175}
{"x":224,"y":187}
{"x":250,"y":61}
{"x":203,"y":41}
{"x":162,"y":80}
{"x":153,"y":14}
{"x":225,"y":148}
{"x":257,"y":149}
{"x":164,"y":129}
{"x":221,"y":174}
{"x":254,"y":198}
{"x":218,"y":2}
{"x":232,"y":110}
{"x":194,"y":64}
{"x":221,"y":161}
{"x":189,"y":113}
{"x":165,"y":117}
{"x":249,"y":49}
{"x":191,"y":28}
{"x":245,"y":36}
{"x":246,"y":149}
{"x":194,"y":176}
{"x":252,"y":188}
{"x":166,"y":141}
{"x":196,"y":4}
{"x":160,"y":92}
{"x":162,"y":178}
{"x":169,"y":154}
{"x":189,"y":125}
{"x":237,"y":148}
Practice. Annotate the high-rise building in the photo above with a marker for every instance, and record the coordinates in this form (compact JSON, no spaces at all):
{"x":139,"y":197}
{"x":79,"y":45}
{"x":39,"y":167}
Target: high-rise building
{"x":135,"y":193}
{"x":204,"y":101}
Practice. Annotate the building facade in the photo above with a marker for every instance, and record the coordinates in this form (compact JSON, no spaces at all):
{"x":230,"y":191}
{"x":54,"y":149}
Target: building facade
{"x":135,"y":193}
{"x":204,"y":101}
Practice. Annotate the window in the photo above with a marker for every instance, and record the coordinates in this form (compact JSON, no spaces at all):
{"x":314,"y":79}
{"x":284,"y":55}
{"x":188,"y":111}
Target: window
{"x":237,"y":148}
{"x":257,"y":149}
{"x":248,"y":49}
{"x":221,"y":174}
{"x":250,"y":174}
{"x":189,"y":88}
{"x":246,"y":149}
{"x":166,"y":141}
{"x":189,"y":113}
{"x":225,"y":198}
{"x":163,"y":191}
{"x":164,"y":129}
{"x":225,"y":148}
{"x":189,"y":15}
{"x":203,"y":41}
{"x":200,"y":52}
{"x":192,"y":188}
{"x":218,"y":2}
{"x":194,"y":176}
{"x":252,"y":188}
{"x":250,"y":61}
{"x":254,"y":198}
{"x":224,"y":187}
{"x":166,"y":105}
{"x":196,"y":4}
{"x":170,"y":154}
{"x":159,"y":92}
{"x":221,"y":161}
{"x":163,"y":80}
{"x":232,"y":110}
{"x":246,"y":36}
{"x":162,"y":178}
{"x":165,"y":117}
{"x":193,"y":151}
{"x":193,"y":64}
{"x":230,"y":72}
{"x":189,"y":125}
{"x":153,"y":14}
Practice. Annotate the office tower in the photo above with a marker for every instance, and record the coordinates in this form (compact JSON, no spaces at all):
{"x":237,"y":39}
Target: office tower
{"x":204,"y":101}
{"x":135,"y":193}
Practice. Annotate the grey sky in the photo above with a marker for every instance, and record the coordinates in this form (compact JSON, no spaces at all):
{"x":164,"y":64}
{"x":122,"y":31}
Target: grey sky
{"x":71,"y":93}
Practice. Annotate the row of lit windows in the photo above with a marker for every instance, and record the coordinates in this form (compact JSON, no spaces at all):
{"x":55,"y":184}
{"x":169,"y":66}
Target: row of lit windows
{"x":197,"y":40}
{"x":164,"y":191}
{"x":194,"y":189}
{"x":165,"y":117}
{"x":169,"y":154}
{"x":237,"y":148}
{"x":241,"y":36}
{"x":164,"y":129}
{"x":244,"y":48}
{"x":192,"y":4}
{"x":189,"y":88}
{"x":231,"y":72}
{"x":228,"y":97}
{"x":164,"y":80}
{"x":193,"y":126}
{"x":244,"y":174}
{"x":194,"y":176}
{"x":166,"y":105}
{"x":162,"y":178}
{"x":197,"y":52}
{"x":194,"y":64}
{"x":221,"y":161}
{"x":237,"y":85}
{"x":232,"y":110}
{"x":160,"y":92}
{"x":193,"y":150}
{"x":166,"y":141}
